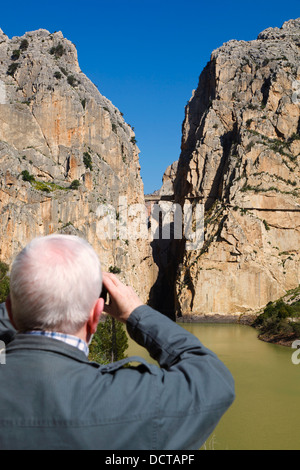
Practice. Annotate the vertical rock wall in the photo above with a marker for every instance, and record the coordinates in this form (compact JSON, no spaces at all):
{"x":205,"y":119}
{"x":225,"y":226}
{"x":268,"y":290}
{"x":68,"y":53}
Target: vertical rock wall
{"x":240,"y":157}
{"x":57,"y":127}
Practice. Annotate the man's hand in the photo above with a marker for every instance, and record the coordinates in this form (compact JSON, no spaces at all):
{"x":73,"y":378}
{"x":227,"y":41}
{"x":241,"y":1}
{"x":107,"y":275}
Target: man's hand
{"x":123,"y":299}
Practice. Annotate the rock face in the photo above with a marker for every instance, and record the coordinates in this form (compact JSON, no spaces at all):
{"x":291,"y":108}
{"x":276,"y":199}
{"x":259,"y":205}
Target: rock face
{"x":240,"y":157}
{"x":56,"y":128}
{"x":168,"y":179}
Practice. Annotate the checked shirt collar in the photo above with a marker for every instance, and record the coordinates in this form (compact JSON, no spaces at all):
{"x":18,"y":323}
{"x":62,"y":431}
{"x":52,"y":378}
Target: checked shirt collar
{"x":68,"y":339}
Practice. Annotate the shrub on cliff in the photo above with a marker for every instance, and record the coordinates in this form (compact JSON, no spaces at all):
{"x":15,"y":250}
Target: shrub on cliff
{"x":87,"y":160}
{"x":24,"y":45}
{"x":16,"y":54}
{"x":72,"y":80}
{"x":57,"y":51}
{"x":12,"y":69}
{"x":57,"y":75}
{"x":75,"y":184}
{"x":27,"y":176}
{"x":4,"y":282}
{"x":114,"y":270}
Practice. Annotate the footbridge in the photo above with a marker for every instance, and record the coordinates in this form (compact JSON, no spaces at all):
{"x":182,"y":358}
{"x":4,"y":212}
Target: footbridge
{"x":168,"y":197}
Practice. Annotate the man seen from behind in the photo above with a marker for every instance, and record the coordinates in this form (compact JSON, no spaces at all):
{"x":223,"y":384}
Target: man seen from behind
{"x":53,"y":397}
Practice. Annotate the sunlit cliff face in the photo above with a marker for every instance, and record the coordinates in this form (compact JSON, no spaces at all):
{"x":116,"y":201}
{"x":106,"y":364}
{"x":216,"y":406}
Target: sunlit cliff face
{"x":240,"y":154}
{"x":76,"y":148}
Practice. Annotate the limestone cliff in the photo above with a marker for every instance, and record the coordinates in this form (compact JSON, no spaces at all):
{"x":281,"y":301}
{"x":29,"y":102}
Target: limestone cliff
{"x":65,"y":153}
{"x":240,"y":157}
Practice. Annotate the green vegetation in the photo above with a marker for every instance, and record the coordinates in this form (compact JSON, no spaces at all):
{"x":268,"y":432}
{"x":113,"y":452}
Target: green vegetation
{"x":109,"y":343}
{"x":4,"y":282}
{"x":279,"y":322}
{"x":40,"y":185}
{"x":260,"y":189}
{"x":277,"y":177}
{"x":58,"y":51}
{"x":24,"y":45}
{"x":87,"y":160}
{"x":68,"y":224}
{"x":133,"y":140}
{"x":57,"y":75}
{"x":12,"y":69}
{"x":72,"y":80}
{"x":75,"y":184}
{"x":295,"y":136}
{"x":114,"y":270}
{"x":46,"y":187}
{"x":27,"y":176}
{"x":64,"y":71}
{"x":279,"y":146}
{"x":16,"y":54}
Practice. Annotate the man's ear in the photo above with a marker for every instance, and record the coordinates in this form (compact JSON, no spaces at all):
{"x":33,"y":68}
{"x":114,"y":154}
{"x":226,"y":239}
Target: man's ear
{"x":95,"y":316}
{"x":9,"y":311}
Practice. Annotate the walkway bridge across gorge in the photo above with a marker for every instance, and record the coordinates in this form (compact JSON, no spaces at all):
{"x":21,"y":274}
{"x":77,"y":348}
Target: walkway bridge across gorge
{"x":167,"y":197}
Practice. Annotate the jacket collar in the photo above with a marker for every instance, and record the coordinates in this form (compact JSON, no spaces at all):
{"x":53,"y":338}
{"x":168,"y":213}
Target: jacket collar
{"x":42,"y":343}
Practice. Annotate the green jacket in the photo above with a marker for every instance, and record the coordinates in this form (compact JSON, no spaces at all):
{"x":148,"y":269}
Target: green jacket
{"x":52,"y":397}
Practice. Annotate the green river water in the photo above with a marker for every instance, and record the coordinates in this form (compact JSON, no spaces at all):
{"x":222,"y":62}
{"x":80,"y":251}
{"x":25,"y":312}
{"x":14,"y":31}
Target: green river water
{"x":266,"y":412}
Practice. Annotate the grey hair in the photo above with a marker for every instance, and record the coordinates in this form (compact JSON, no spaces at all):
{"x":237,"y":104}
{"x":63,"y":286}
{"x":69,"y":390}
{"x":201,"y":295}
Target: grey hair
{"x":55,"y":281}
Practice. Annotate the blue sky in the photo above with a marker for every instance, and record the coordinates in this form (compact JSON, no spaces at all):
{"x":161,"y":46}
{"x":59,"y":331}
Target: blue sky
{"x":146,"y":55}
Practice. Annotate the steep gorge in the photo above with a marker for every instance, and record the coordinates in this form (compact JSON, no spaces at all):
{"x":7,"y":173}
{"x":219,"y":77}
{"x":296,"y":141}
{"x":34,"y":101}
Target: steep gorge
{"x":66,"y":154}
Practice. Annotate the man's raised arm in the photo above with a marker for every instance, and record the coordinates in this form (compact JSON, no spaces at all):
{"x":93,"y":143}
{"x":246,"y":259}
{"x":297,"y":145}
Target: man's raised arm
{"x":194,"y":387}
